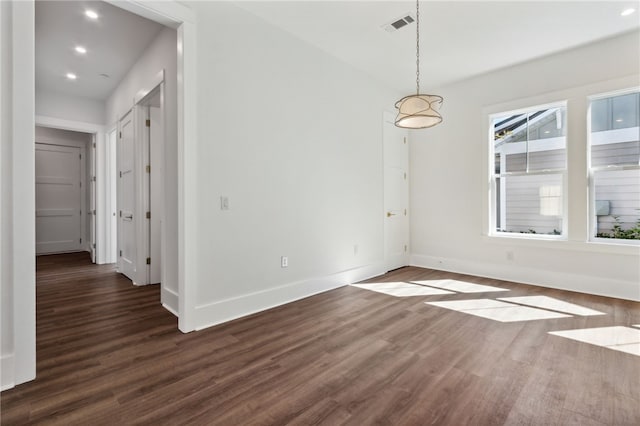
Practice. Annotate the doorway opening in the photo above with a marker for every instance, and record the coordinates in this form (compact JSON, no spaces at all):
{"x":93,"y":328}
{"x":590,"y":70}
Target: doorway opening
{"x":65,"y":191}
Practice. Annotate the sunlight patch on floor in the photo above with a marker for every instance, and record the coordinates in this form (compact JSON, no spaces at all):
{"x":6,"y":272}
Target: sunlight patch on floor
{"x":618,"y":338}
{"x":459,"y":286}
{"x":401,"y":289}
{"x":546,"y":302}
{"x":497,"y":311}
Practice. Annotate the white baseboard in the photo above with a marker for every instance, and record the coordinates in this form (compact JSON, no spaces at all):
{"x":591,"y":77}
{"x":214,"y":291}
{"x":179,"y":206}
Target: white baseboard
{"x":599,"y":286}
{"x":169,"y":300}
{"x":7,"y":372}
{"x":233,"y":308}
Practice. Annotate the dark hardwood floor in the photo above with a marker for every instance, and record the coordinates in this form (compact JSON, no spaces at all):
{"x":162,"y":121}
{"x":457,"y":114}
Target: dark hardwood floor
{"x":108,"y":353}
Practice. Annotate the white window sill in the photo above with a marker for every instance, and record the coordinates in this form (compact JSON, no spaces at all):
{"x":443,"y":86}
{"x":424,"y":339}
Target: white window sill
{"x":628,"y":248}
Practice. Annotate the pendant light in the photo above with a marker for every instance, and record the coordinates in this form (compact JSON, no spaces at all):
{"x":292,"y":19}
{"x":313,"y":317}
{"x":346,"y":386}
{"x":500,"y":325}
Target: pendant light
{"x":418,"y":111}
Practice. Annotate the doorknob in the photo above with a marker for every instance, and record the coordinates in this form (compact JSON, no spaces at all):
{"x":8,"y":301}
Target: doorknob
{"x":129,"y":216}
{"x":389,"y":214}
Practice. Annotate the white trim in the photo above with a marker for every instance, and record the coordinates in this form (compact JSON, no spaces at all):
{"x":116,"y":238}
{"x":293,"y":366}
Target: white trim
{"x":7,"y":372}
{"x":534,"y":276}
{"x":236,"y":307}
{"x":170,"y":301}
{"x":176,"y":15}
{"x":23,"y":190}
{"x":151,"y":84}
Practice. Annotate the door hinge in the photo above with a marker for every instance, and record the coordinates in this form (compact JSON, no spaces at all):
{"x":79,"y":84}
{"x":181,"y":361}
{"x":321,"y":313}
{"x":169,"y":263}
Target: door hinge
{"x":120,"y":135}
{"x":148,"y":261}
{"x":80,"y":212}
{"x":94,"y":245}
{"x":93,"y":178}
{"x":80,"y":156}
{"x":80,"y":184}
{"x":405,"y":139}
{"x":148,"y":168}
{"x":147,"y":123}
{"x":405,"y":212}
{"x":120,"y":253}
{"x":80,"y":240}
{"x":94,"y":144}
{"x":148,"y":215}
{"x":405,"y":175}
{"x":120,"y":213}
{"x":94,"y":212}
{"x":120,"y":174}
{"x":405,"y":248}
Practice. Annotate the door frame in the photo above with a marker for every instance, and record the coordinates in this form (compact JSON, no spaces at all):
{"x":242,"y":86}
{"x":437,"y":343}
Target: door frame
{"x":102,"y":206}
{"x":388,"y":119}
{"x":143,"y":135}
{"x":19,"y":363}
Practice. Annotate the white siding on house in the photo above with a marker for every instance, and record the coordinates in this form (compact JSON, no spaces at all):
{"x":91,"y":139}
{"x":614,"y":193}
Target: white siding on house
{"x":615,"y":154}
{"x":523,"y":204}
{"x":622,"y":189}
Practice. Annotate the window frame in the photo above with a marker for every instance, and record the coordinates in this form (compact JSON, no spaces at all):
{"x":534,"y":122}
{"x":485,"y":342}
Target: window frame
{"x":592,"y":219}
{"x":493,"y":188}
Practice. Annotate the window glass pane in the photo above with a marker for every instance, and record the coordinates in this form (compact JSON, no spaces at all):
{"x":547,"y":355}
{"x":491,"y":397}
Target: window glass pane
{"x":615,"y":135}
{"x":617,"y":204}
{"x":625,"y":111}
{"x":531,"y":141}
{"x":601,"y":115}
{"x":547,"y":144}
{"x":530,"y":204}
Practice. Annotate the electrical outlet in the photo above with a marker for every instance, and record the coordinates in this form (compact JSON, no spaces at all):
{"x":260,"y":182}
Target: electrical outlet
{"x":224,"y":203}
{"x":284,"y":262}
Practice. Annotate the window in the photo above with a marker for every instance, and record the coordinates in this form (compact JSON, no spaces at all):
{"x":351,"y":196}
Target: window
{"x":615,"y":166}
{"x":529,"y":165}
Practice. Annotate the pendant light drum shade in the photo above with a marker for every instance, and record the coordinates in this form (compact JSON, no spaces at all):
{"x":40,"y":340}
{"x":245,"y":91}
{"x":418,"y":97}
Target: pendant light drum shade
{"x":418,"y":111}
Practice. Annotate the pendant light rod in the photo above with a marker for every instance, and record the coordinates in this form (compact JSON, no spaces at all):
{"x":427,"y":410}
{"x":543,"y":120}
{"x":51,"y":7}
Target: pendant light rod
{"x":417,"y":47}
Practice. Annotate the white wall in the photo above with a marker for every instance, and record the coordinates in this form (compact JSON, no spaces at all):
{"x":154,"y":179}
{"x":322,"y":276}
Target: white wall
{"x":71,"y":108}
{"x":17,"y":255}
{"x":161,"y":54}
{"x":293,"y":137}
{"x":449,"y":186}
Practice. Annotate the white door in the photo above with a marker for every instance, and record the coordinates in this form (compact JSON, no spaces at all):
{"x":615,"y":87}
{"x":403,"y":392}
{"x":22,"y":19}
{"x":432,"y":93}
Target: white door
{"x":58,"y":199}
{"x":396,"y":194}
{"x":126,"y":198}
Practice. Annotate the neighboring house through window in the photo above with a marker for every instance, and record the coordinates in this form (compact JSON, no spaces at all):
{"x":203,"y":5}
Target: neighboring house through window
{"x":528,"y":179}
{"x":615,"y":167}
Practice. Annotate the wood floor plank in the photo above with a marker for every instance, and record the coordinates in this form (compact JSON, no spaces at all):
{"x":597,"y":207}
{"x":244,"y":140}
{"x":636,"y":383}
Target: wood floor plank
{"x":108,"y":353}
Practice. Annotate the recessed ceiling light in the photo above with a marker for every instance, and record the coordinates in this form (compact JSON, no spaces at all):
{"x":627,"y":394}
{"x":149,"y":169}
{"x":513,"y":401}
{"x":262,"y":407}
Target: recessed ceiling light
{"x":627,"y":12}
{"x":71,"y":76}
{"x":619,"y":120}
{"x":91,"y":14}
{"x":81,"y":49}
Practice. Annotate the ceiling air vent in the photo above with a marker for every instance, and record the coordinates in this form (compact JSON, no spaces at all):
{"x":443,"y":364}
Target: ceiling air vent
{"x":398,"y":23}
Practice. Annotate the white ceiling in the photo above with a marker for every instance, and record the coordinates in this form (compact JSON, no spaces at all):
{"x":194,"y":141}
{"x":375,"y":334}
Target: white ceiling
{"x":458,"y":39}
{"x":114,"y":42}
